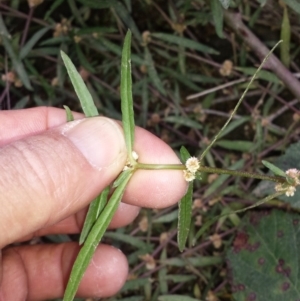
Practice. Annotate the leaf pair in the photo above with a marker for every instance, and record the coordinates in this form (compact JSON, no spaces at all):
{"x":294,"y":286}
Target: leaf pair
{"x":101,"y":212}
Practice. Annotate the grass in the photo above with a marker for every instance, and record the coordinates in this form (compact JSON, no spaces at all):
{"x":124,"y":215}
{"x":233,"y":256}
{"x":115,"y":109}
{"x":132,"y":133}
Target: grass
{"x":173,"y":58}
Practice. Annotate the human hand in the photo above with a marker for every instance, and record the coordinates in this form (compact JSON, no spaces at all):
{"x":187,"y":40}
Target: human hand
{"x":50,"y":171}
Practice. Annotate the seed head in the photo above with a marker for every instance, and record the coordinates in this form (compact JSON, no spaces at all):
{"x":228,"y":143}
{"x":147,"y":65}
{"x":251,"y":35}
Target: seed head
{"x":192,"y":164}
{"x":290,"y":191}
{"x":294,"y":174}
{"x":188,"y":176}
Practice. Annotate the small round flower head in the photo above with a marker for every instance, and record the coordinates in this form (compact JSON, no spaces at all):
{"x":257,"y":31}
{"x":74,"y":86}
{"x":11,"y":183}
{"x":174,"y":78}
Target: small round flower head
{"x":279,"y":187}
{"x":188,"y":176}
{"x":290,"y":191}
{"x":192,"y":164}
{"x":294,"y":174}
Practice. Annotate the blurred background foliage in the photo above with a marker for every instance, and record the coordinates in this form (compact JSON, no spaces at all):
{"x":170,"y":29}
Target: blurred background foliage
{"x":190,"y":64}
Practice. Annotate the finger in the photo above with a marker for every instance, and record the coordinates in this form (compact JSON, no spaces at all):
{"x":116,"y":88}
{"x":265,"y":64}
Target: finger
{"x":47,"y":177}
{"x":50,"y":175}
{"x":18,"y":124}
{"x":154,"y":188}
{"x":124,"y":216}
{"x":40,"y":272}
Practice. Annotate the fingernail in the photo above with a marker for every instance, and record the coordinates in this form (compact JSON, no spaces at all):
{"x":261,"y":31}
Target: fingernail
{"x":99,"y":139}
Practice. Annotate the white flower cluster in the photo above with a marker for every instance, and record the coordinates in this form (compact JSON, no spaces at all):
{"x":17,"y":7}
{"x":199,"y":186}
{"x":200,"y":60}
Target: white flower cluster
{"x":293,"y":175}
{"x":192,"y":165}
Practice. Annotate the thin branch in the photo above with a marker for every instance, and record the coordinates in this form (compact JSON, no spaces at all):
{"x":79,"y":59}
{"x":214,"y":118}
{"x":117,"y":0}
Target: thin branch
{"x":234,"y":21}
{"x":220,"y":87}
{"x":25,"y":32}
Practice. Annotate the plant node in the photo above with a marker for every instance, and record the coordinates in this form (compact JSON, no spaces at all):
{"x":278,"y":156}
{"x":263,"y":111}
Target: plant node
{"x":293,"y":180}
{"x":129,"y":164}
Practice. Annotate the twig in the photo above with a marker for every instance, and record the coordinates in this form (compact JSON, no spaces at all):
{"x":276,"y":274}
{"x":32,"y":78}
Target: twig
{"x":226,"y":85}
{"x":25,"y":32}
{"x":235,"y":22}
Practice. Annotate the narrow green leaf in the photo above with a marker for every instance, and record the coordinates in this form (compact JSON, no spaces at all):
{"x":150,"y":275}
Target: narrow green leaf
{"x":95,"y":209}
{"x":44,"y":51}
{"x":184,"y":208}
{"x":261,"y":202}
{"x":217,"y":13}
{"x":234,"y":124}
{"x":263,"y":74}
{"x":115,"y":48}
{"x":184,"y":154}
{"x":80,"y":88}
{"x":285,"y":36}
{"x":293,"y":4}
{"x":180,"y":278}
{"x":145,"y":101}
{"x":135,"y":284}
{"x":83,"y":60}
{"x":52,"y":8}
{"x":120,"y":178}
{"x":17,"y":63}
{"x":31,"y":42}
{"x":237,"y":145}
{"x":76,"y":13}
{"x":166,"y":218}
{"x":153,"y":75}
{"x":276,"y":170}
{"x":196,"y":261}
{"x":128,"y":239}
{"x":184,"y":217}
{"x":21,"y":103}
{"x":162,"y":274}
{"x":182,"y":59}
{"x":86,"y":253}
{"x":187,"y":43}
{"x":69,"y":114}
{"x":55,"y":41}
{"x":204,"y":228}
{"x":185,"y":79}
{"x":185,"y":121}
{"x":37,"y":74}
{"x":126,"y":17}
{"x":225,"y":3}
{"x":262,"y":2}
{"x":126,"y":95}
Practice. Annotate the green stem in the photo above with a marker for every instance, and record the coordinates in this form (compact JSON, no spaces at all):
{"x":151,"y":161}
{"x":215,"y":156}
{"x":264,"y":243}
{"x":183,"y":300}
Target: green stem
{"x":240,"y":173}
{"x":207,"y":169}
{"x":159,"y":166}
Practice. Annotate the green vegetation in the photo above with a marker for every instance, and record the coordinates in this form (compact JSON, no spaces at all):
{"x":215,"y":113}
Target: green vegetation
{"x":185,"y":103}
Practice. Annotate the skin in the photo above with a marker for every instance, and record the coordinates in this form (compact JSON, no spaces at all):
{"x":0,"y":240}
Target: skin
{"x":46,"y":185}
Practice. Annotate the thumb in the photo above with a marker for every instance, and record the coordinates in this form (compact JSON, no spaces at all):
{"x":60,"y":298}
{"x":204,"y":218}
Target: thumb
{"x":47,"y":177}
